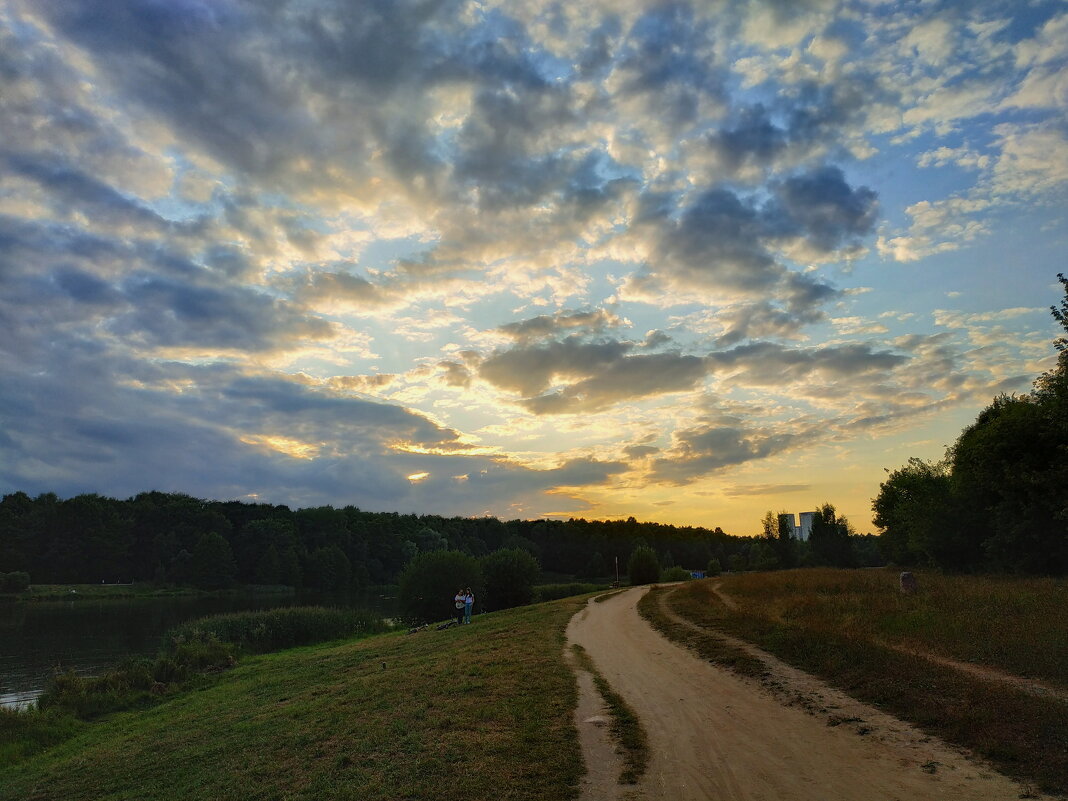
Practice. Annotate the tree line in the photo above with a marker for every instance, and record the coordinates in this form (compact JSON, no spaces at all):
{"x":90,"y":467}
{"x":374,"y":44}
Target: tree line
{"x":177,"y":539}
{"x":998,"y":500}
{"x":832,"y":542}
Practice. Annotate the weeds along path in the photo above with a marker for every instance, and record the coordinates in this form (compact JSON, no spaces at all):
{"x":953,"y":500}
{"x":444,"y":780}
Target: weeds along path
{"x":713,"y":735}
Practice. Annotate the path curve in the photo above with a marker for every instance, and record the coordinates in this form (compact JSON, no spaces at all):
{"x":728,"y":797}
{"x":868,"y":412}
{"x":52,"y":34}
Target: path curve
{"x":713,"y":735}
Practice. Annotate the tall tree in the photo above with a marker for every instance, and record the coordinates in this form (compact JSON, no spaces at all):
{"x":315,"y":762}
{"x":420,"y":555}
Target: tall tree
{"x":829,"y":541}
{"x":914,"y":509}
{"x":508,"y":578}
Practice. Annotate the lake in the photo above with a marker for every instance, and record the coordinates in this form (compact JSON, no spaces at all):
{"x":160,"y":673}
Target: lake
{"x":93,"y":635}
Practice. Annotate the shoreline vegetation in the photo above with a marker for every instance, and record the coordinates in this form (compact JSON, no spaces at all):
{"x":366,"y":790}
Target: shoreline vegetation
{"x":140,"y":589}
{"x":857,"y":631}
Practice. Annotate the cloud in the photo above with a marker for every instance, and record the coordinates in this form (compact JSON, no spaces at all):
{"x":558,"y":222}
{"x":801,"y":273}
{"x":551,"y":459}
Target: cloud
{"x":742,"y":490}
{"x":530,"y":370}
{"x":548,"y":326}
{"x":709,"y":448}
{"x":769,"y":364}
{"x":624,"y":379}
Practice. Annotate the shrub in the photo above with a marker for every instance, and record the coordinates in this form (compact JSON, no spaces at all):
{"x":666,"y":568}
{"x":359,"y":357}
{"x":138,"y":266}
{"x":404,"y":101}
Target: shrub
{"x":643,"y":567}
{"x":508,"y":577}
{"x":675,"y":574}
{"x":274,"y":629}
{"x":714,"y":568}
{"x":429,"y":583}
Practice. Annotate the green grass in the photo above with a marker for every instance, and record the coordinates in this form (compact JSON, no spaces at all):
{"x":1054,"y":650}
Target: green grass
{"x":626,"y":728}
{"x":24,"y":733}
{"x":843,"y":626}
{"x":475,"y":712}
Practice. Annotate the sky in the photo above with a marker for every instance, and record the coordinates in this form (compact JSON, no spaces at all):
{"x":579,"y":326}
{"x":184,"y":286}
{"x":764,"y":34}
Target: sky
{"x":687,"y":262}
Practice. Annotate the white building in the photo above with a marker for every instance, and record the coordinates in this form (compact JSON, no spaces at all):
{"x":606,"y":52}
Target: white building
{"x":798,"y":531}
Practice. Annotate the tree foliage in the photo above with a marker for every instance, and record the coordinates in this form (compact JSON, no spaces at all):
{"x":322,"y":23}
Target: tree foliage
{"x":830,"y":541}
{"x":508,"y":579}
{"x":779,"y":539}
{"x":643,"y":567}
{"x":212,"y":564}
{"x":998,"y":502}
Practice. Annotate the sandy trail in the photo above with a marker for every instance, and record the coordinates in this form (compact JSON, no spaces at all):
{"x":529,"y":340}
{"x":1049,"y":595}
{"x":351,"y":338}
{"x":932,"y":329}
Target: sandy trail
{"x":713,"y":735}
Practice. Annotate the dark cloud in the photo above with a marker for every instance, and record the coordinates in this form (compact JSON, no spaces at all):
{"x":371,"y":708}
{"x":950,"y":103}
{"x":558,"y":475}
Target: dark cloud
{"x":706,"y":449}
{"x":752,"y":138}
{"x":719,"y":240}
{"x":665,"y":58}
{"x":628,"y":378}
{"x":770,"y":364}
{"x":547,"y":326}
{"x":344,"y":288}
{"x":500,"y":148}
{"x":762,"y":320}
{"x":724,"y":240}
{"x":85,"y":288}
{"x":164,"y":312}
{"x":71,"y":189}
{"x":640,"y":451}
{"x":821,"y":207}
{"x":455,"y":374}
{"x":530,"y":370}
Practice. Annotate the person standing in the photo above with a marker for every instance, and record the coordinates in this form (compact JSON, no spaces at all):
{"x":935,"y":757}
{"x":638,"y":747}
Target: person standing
{"x":469,"y":602}
{"x":460,"y":602}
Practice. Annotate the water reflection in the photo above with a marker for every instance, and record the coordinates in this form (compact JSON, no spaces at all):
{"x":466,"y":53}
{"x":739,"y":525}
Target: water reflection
{"x":90,"y":636}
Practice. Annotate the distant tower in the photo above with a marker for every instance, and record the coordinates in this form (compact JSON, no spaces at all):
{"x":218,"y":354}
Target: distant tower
{"x":805,"y":529}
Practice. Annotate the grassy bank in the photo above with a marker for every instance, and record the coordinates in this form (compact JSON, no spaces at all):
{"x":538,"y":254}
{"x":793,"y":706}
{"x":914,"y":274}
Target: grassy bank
{"x":476,"y":712}
{"x":857,"y":631}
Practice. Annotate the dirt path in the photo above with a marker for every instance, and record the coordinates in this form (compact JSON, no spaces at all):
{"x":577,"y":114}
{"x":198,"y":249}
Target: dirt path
{"x":715,"y":736}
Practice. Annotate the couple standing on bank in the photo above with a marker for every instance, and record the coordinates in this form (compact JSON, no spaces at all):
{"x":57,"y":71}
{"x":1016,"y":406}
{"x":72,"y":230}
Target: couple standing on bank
{"x":465,"y":599}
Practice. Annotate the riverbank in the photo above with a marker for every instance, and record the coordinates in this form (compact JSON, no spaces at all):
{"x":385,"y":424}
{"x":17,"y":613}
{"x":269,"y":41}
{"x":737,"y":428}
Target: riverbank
{"x":437,"y":714}
{"x":64,"y":592}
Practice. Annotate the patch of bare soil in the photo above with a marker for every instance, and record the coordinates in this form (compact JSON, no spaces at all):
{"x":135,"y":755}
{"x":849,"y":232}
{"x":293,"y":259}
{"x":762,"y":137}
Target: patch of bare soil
{"x":714,"y":735}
